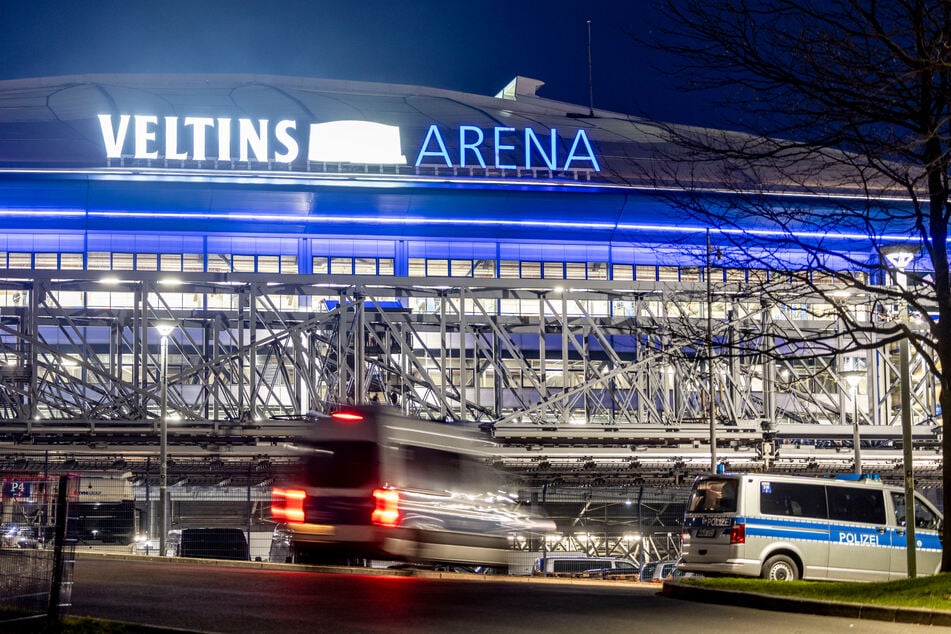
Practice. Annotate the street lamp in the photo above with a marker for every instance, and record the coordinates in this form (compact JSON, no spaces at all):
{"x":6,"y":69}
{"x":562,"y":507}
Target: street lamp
{"x":853,"y":377}
{"x":900,"y":258}
{"x":164,"y":330}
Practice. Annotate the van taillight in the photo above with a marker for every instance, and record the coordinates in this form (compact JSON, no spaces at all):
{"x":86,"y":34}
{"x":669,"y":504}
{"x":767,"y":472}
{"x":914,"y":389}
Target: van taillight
{"x":386,"y":511}
{"x":288,"y":504}
{"x":738,"y":534}
{"x":347,"y":416}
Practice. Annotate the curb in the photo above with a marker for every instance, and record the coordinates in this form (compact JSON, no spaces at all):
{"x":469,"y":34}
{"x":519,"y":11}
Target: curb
{"x":350,"y":570}
{"x":918,"y":616}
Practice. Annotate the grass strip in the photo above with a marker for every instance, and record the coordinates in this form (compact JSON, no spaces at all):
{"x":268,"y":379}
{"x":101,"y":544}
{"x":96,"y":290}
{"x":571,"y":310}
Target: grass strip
{"x":933,"y":592}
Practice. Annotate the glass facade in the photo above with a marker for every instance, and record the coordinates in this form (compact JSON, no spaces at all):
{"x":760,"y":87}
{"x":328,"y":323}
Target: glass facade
{"x":413,"y":258}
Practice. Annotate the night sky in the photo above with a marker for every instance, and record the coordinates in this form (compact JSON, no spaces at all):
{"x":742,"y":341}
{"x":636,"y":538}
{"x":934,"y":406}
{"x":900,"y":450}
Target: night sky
{"x":470,"y":46}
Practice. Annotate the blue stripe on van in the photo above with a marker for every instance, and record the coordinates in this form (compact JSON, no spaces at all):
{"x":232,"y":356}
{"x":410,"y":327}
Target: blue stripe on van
{"x":819,"y":531}
{"x":812,"y":530}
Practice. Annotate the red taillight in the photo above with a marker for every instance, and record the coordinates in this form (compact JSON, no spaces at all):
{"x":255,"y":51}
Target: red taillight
{"x":387,"y":509}
{"x":288,"y":504}
{"x":347,"y":416}
{"x":738,"y":534}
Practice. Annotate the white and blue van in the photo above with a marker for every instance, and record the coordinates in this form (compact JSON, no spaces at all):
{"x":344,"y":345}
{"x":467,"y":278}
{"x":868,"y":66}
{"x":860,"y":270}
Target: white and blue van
{"x":786,"y":527}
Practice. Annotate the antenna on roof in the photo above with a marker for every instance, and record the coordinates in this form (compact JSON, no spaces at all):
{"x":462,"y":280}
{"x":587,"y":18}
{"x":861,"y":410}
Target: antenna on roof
{"x":590,"y":76}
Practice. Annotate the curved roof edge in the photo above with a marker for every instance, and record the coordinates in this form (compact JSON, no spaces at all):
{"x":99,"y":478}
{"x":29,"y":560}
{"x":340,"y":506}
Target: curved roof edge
{"x":57,"y":122}
{"x":524,"y":94}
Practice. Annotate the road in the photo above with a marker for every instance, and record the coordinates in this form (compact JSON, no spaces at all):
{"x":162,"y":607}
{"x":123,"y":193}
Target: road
{"x":211,"y":598}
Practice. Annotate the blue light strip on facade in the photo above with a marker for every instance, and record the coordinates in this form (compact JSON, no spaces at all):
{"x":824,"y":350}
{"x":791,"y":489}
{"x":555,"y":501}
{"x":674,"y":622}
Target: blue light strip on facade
{"x":369,"y":180}
{"x":401,"y":220}
{"x":474,"y":222}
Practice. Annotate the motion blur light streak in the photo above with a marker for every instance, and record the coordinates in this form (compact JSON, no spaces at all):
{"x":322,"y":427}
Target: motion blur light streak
{"x":347,"y":416}
{"x":288,"y":504}
{"x":387,"y":512}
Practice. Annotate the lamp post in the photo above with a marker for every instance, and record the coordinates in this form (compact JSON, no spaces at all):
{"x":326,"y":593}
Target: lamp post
{"x":164,"y":329}
{"x":901,"y":258}
{"x":853,"y":377}
{"x":710,"y":352}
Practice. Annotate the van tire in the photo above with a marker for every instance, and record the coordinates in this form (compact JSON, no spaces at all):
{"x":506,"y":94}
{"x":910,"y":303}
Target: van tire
{"x":780,"y":568}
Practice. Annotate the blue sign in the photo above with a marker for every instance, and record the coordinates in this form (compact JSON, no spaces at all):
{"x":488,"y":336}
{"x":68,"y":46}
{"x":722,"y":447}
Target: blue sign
{"x":16,"y":489}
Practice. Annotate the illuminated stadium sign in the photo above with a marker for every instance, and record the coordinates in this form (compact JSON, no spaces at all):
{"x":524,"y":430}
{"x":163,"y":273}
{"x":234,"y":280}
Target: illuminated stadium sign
{"x":149,"y":137}
{"x":502,"y":152}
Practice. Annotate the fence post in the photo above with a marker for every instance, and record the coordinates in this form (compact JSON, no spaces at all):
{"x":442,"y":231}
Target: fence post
{"x":59,"y":542}
{"x":250,"y":507}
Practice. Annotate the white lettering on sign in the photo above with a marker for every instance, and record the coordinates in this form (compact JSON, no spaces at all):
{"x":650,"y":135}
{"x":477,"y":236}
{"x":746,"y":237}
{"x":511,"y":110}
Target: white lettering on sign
{"x":111,"y":138}
{"x":145,"y":137}
{"x":150,"y":137}
{"x":255,"y":142}
{"x":199,"y":126}
{"x":858,"y":539}
{"x":284,"y":137}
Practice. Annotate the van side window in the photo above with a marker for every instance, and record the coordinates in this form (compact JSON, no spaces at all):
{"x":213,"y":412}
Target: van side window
{"x":625,"y":567}
{"x":849,"y":504}
{"x":427,"y":468}
{"x":435,"y":469}
{"x":578,"y":565}
{"x":924,"y":517}
{"x":714,"y":496}
{"x":793,"y":499}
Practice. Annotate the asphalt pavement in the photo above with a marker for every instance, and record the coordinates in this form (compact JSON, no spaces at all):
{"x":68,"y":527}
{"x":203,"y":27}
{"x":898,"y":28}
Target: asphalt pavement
{"x":672,"y":589}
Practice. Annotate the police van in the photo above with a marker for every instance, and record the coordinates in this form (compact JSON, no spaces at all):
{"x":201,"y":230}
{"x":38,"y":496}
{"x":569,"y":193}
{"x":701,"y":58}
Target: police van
{"x":795,"y":527}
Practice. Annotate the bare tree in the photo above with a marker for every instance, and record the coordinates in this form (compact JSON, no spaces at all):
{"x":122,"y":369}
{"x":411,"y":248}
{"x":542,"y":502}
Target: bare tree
{"x":843,"y":117}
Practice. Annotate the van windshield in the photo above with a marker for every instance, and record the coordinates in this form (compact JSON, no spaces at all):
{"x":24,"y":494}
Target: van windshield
{"x":714,"y":495}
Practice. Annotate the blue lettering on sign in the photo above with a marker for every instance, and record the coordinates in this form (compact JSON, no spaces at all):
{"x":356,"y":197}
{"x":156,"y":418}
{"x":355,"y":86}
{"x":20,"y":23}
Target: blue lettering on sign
{"x":531,"y":139}
{"x":588,"y":155}
{"x":473,"y":146}
{"x":499,"y":147}
{"x":433,"y":135}
{"x":472,"y":138}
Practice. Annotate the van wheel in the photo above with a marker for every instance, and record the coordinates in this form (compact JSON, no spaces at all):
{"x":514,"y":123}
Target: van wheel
{"x":780,"y":568}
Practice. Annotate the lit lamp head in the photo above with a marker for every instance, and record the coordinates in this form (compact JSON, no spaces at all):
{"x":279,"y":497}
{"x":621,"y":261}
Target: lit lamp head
{"x":852,"y":368}
{"x":164,"y":328}
{"x":853,"y":377}
{"x":900,"y":258}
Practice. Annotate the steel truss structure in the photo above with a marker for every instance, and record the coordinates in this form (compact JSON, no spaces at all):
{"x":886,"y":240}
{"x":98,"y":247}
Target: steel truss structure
{"x":588,"y":381}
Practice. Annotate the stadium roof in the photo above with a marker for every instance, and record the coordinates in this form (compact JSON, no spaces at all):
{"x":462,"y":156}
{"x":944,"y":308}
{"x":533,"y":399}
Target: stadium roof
{"x":83,"y":147}
{"x":53,"y":122}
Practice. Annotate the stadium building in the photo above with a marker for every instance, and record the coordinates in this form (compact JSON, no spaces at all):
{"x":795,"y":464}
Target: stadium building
{"x":243,"y":251}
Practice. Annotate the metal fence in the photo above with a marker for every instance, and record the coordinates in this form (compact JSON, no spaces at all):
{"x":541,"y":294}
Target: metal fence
{"x":639,"y":523}
{"x":223,"y":511}
{"x":37,"y":551}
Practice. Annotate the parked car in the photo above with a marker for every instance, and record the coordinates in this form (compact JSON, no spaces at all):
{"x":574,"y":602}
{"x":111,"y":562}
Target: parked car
{"x":578,"y":565}
{"x":143,"y":545}
{"x":620,"y":568}
{"x":666,"y":570}
{"x":208,"y":543}
{"x":646,"y":573}
{"x":15,"y":536}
